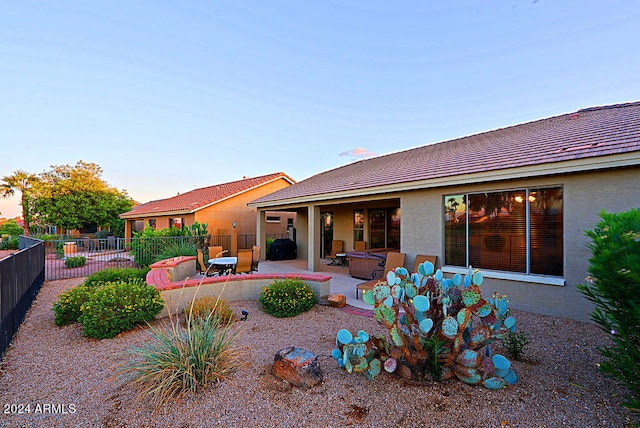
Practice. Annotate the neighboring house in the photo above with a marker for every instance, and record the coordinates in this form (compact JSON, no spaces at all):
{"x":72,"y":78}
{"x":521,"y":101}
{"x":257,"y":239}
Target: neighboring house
{"x":223,"y":207}
{"x":513,"y":202}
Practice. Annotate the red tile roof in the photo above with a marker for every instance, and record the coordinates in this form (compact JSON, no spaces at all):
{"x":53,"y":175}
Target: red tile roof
{"x":199,"y":198}
{"x":587,"y":133}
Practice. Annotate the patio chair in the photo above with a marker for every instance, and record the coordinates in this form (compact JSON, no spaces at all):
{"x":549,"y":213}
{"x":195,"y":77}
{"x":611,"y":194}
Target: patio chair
{"x":215,"y":251}
{"x":360,"y":246}
{"x":336,"y":247}
{"x":393,"y":261}
{"x":202,"y":265}
{"x":255,"y":258}
{"x":421,"y":258}
{"x":245,"y":258}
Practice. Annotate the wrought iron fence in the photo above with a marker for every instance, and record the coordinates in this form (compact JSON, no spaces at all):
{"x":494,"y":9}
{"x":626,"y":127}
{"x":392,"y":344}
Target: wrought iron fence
{"x":21,"y":277}
{"x":111,"y":252}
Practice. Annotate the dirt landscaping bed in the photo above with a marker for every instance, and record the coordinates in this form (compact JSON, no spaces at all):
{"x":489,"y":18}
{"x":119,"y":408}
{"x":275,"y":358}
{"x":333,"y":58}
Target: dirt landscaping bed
{"x":559,"y":384}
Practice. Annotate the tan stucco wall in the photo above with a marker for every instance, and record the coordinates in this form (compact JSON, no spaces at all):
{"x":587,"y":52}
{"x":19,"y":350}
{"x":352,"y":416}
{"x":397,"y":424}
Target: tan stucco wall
{"x":584,"y":196}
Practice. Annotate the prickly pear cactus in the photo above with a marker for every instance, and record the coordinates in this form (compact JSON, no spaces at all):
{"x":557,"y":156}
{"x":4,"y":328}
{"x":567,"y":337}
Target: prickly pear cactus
{"x":438,"y":329}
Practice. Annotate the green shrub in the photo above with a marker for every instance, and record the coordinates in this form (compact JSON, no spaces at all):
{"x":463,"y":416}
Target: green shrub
{"x":115,"y":274}
{"x":74,"y":262}
{"x":204,"y":306}
{"x":119,"y":306}
{"x":59,"y":250}
{"x":176,"y":249}
{"x":67,"y":307}
{"x":268,"y":242}
{"x":514,"y":344}
{"x":181,"y":359}
{"x":10,"y":243}
{"x":287,"y":298}
{"x":613,"y":288}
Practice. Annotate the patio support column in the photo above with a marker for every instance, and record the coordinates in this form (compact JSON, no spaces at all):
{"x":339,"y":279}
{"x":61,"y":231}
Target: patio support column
{"x":313,"y":232}
{"x":261,"y":234}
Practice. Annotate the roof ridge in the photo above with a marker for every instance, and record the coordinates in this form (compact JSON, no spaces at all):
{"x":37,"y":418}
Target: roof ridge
{"x":274,"y":174}
{"x":610,"y":106}
{"x":516,"y":126}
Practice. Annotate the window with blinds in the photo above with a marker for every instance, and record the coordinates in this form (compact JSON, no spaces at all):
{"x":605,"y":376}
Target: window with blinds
{"x":516,"y":230}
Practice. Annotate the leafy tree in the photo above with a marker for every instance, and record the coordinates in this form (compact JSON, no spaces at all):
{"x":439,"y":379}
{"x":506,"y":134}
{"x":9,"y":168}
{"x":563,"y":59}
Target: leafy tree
{"x":23,"y":182}
{"x":75,"y":197}
{"x":10,"y":228}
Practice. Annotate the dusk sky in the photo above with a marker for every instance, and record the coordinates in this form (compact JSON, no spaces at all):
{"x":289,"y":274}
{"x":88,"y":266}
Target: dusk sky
{"x":169,"y":96}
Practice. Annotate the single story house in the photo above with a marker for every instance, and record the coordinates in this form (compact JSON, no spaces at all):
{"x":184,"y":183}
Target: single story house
{"x":513,"y":202}
{"x":223,"y":207}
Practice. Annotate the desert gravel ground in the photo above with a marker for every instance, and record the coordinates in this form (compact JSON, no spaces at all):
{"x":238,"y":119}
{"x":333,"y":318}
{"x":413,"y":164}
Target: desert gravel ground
{"x":67,"y":380}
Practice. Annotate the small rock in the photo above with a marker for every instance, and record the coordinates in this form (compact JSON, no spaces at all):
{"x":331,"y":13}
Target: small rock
{"x":298,"y":366}
{"x":337,"y":300}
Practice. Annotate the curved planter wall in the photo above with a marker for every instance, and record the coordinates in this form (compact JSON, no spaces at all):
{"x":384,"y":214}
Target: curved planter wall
{"x":175,"y":279}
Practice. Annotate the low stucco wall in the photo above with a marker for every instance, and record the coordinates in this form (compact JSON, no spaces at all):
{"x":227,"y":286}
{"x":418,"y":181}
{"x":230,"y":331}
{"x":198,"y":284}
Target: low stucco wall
{"x":177,"y":294}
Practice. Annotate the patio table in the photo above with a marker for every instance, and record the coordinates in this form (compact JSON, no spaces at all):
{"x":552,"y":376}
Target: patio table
{"x":224,"y":265}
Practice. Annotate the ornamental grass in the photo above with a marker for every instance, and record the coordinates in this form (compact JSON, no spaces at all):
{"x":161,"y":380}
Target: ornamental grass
{"x":182,"y":358}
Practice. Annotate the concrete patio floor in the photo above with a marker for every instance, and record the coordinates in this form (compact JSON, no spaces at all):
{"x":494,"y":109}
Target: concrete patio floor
{"x":341,"y":281}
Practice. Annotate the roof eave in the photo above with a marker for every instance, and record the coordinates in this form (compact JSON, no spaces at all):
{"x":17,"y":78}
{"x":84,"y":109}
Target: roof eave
{"x":155,"y":214}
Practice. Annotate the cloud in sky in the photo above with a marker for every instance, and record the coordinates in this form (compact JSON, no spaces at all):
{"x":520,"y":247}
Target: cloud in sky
{"x":359,"y":153}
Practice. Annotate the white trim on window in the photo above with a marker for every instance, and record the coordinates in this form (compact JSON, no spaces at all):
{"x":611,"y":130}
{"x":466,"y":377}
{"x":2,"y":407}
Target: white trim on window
{"x":511,"y":276}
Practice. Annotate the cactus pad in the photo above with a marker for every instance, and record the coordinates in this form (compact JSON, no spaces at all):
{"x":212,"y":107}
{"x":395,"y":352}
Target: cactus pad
{"x":344,"y":337}
{"x":410,"y":290}
{"x":510,"y":323}
{"x":457,"y":280}
{"x":426,"y":325}
{"x":511,"y":377}
{"x":381,"y":291}
{"x":477,"y":278}
{"x":426,"y":268}
{"x":421,"y":303}
{"x":374,"y":368}
{"x":390,"y":364}
{"x":450,"y":327}
{"x":384,"y":314}
{"x":392,"y":279}
{"x":367,"y":297}
{"x":494,"y":383}
{"x":395,"y":337}
{"x":471,"y":296}
{"x":500,"y":362}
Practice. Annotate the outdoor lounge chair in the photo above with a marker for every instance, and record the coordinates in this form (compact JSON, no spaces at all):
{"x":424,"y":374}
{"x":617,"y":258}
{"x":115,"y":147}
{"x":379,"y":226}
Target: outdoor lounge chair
{"x":360,"y":246}
{"x":245,"y":258}
{"x":393,"y":261}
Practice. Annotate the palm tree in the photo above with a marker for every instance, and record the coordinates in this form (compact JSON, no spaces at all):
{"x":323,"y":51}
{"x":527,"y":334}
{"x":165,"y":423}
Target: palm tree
{"x":21,"y":181}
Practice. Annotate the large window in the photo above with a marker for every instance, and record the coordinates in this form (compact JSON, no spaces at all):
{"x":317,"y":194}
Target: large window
{"x":516,"y":231}
{"x":384,"y":228}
